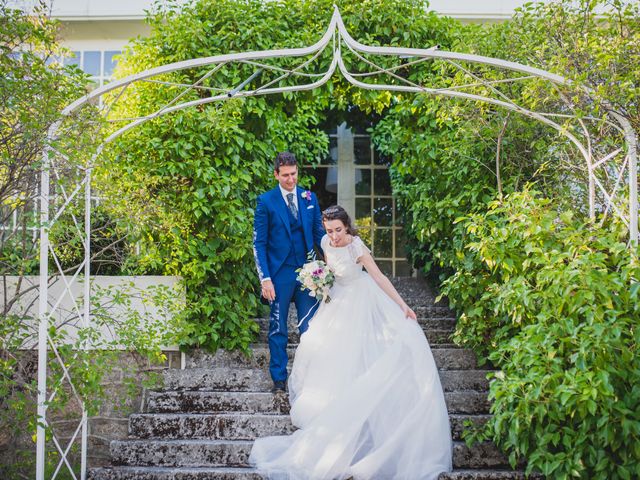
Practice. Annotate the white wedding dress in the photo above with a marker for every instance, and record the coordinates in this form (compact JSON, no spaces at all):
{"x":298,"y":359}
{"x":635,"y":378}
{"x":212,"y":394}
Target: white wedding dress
{"x":364,"y":390}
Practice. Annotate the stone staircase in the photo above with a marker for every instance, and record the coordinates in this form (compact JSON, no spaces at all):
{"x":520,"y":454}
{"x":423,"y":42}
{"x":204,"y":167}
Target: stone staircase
{"x":202,"y":424}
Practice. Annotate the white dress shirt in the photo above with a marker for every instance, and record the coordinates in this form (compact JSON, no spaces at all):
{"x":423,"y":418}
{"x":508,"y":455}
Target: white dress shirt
{"x":286,"y":200}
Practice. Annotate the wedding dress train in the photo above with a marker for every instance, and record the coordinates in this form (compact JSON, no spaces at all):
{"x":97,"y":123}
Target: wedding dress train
{"x":364,"y":390}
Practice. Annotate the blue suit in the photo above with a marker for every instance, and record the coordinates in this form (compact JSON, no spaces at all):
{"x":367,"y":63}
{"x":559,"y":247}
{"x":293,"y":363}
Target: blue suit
{"x":281,"y":244}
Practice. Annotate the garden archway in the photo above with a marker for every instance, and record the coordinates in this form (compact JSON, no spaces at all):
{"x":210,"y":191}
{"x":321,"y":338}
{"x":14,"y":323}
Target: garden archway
{"x":621,"y":162}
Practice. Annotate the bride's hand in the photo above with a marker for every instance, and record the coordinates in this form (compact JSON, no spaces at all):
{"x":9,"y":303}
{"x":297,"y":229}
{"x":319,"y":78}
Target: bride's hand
{"x":409,"y":313}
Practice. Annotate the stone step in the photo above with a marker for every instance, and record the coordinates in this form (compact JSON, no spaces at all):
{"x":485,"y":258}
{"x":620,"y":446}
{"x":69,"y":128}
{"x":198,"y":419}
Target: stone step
{"x":417,"y":300}
{"x":441,"y":321}
{"x":236,"y":426}
{"x":462,"y":402}
{"x":227,"y":426}
{"x":416,"y":290}
{"x":487,"y":475}
{"x":180,"y":453}
{"x":258,"y":380}
{"x":414,"y":282}
{"x":446,"y":358}
{"x":155,"y":473}
{"x":454,"y":358}
{"x":425,"y":310}
{"x":235,"y":453}
{"x":159,"y":473}
{"x":481,"y":455}
{"x":435,"y":336}
{"x":457,"y":380}
{"x":220,"y":378}
{"x":216,"y":402}
{"x":468,"y":402}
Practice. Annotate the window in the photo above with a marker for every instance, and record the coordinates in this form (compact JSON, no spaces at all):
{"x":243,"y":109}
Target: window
{"x":100,"y":64}
{"x":364,"y":181}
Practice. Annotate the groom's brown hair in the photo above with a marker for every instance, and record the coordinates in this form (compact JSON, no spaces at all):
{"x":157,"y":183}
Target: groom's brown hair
{"x":284,"y":158}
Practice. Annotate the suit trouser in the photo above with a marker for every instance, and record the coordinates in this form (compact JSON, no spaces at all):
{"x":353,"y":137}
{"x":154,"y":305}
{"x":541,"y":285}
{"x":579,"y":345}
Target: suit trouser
{"x":287,"y":290}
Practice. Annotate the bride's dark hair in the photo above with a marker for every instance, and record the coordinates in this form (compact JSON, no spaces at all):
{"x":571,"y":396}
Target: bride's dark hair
{"x":336,"y":212}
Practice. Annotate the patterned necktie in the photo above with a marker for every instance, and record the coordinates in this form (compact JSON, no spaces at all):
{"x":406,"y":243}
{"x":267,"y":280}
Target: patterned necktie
{"x":292,"y":206}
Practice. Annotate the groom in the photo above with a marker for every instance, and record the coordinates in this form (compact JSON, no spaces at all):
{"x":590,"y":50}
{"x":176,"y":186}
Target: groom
{"x":287,"y":225}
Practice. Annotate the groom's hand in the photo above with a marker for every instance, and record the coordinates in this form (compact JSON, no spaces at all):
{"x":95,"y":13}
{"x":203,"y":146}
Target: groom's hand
{"x":268,"y":291}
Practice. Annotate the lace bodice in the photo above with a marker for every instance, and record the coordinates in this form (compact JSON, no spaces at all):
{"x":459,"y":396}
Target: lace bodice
{"x":343,"y":260}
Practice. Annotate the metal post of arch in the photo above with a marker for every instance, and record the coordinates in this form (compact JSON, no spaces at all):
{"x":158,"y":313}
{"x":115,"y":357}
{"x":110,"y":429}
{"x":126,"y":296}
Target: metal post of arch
{"x":335,"y":37}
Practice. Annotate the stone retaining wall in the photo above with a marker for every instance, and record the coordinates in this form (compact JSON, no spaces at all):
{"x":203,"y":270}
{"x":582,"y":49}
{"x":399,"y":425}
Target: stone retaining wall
{"x":111,"y":423}
{"x":124,"y":395}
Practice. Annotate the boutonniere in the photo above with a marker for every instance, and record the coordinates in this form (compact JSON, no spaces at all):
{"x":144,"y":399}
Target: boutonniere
{"x":307,"y":195}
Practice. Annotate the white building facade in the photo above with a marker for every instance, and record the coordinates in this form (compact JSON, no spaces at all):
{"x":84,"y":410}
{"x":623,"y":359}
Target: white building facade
{"x":97,"y":30}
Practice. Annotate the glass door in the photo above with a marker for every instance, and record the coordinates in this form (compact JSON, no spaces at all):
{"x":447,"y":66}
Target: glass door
{"x":356,"y":176}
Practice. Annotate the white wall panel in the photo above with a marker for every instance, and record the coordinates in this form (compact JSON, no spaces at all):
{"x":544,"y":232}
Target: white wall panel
{"x":134,"y":9}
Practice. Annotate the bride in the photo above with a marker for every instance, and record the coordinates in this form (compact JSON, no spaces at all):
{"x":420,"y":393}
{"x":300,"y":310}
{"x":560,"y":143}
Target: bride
{"x":364,"y":388}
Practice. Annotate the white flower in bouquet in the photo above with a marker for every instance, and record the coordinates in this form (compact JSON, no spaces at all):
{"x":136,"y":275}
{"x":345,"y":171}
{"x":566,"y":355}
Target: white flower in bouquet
{"x":318,"y":278}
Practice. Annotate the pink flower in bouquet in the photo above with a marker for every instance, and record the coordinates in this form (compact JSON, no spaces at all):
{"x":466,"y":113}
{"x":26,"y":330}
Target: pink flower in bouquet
{"x":317,"y":278}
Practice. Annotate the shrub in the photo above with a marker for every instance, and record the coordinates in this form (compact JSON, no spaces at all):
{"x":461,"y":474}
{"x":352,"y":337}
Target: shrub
{"x":554,"y":304}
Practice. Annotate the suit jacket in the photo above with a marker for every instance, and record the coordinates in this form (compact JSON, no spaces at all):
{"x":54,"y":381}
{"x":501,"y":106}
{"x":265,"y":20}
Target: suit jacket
{"x":272,"y":230}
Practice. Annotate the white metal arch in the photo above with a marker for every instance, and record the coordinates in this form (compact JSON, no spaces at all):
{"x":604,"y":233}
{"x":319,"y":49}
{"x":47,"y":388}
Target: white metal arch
{"x":336,"y":35}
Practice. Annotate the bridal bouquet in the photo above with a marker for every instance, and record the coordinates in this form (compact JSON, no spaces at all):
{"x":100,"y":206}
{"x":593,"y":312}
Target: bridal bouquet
{"x":318,"y":278}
